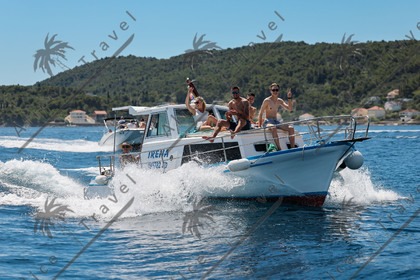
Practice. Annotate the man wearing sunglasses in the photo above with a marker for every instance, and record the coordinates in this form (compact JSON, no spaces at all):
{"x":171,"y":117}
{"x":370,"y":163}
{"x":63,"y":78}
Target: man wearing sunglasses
{"x":270,"y":107}
{"x":237,"y":118}
{"x":127,"y":157}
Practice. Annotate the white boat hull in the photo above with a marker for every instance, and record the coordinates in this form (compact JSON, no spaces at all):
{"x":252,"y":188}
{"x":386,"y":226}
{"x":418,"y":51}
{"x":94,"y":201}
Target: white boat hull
{"x":300,"y":176}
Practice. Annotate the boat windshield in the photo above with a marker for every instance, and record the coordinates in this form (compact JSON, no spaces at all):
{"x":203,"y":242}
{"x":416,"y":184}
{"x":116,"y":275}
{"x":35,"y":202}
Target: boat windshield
{"x":185,"y":121}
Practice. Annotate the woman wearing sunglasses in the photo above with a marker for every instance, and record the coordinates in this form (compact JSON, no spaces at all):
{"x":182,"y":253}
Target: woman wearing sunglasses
{"x":201,"y":117}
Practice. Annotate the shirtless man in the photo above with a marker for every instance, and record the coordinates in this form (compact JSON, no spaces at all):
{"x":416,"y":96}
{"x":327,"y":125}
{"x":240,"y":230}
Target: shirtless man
{"x":237,"y":118}
{"x":270,"y":107}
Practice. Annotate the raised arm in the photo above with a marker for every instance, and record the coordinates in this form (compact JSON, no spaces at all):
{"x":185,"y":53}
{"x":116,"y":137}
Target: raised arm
{"x":289,"y":104}
{"x":187,"y":101}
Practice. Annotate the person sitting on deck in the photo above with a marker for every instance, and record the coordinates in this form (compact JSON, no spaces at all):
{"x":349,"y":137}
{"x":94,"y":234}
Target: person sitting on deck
{"x":201,"y":117}
{"x":237,"y":118}
{"x":270,"y":107}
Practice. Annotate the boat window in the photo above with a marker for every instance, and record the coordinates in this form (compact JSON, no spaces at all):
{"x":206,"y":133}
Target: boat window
{"x":184,"y":121}
{"x":210,"y":153}
{"x":159,"y":125}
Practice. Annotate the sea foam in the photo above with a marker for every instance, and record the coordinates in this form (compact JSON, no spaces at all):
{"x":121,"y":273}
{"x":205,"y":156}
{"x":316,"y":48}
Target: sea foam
{"x":356,"y":186}
{"x":51,"y":144}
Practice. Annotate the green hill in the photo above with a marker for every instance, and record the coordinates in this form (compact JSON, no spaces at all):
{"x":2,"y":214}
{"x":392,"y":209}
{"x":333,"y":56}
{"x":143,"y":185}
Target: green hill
{"x":325,"y":79}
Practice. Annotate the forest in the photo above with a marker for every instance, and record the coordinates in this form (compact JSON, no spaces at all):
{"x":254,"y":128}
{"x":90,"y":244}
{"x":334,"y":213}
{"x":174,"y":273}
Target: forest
{"x":325,"y":79}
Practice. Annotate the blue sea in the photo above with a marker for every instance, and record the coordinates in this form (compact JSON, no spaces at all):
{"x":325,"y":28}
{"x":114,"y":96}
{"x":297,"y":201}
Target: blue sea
{"x":155,"y":227}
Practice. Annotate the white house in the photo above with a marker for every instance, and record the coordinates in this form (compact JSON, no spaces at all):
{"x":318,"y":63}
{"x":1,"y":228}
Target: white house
{"x":376,"y":112}
{"x":79,"y":117}
{"x":408,"y":115}
{"x":393,"y":106}
{"x":99,"y":115}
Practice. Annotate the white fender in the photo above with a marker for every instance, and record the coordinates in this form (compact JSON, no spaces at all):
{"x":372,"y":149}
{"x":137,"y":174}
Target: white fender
{"x":101,"y":180}
{"x":239,"y":165}
{"x":355,"y":160}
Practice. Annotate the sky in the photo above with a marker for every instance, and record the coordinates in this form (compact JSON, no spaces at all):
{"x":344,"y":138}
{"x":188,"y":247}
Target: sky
{"x":164,"y":28}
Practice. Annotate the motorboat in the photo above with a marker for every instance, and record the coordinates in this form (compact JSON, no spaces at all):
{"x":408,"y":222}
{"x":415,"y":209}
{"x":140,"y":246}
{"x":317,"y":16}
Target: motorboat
{"x":123,"y":128}
{"x":299,"y":175}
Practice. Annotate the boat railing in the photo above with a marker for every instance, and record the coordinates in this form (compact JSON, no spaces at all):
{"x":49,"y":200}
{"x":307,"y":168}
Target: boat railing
{"x":314,"y":131}
{"x":321,"y":129}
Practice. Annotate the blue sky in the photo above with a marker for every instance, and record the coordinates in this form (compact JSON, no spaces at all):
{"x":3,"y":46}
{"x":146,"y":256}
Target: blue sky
{"x":164,"y":28}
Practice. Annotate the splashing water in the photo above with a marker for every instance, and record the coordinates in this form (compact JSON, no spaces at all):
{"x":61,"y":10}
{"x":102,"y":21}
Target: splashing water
{"x":357,"y":186}
{"x":26,"y":182}
{"x":155,"y":191}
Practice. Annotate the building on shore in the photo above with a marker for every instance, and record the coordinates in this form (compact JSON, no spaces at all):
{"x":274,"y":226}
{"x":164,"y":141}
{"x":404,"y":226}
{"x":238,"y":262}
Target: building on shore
{"x":376,"y":112}
{"x":79,"y":117}
{"x":99,"y":116}
{"x":408,"y":115}
{"x":359,"y":112}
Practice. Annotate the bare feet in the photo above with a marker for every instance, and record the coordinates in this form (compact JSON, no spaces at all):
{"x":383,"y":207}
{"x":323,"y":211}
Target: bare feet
{"x":209,"y":138}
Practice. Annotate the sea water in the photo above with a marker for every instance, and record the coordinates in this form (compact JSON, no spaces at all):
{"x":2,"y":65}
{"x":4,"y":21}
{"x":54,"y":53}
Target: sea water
{"x":157,"y":227}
